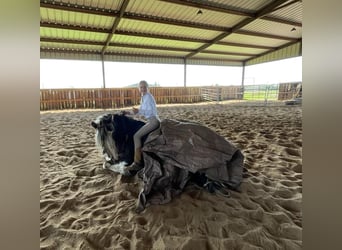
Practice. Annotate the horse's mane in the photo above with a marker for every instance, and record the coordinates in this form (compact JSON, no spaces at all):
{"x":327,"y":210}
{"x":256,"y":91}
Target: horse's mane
{"x":125,"y":125}
{"x":124,"y":129}
{"x":114,"y":136}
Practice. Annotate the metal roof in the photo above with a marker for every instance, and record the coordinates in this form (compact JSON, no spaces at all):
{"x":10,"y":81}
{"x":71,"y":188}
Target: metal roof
{"x":214,"y":32}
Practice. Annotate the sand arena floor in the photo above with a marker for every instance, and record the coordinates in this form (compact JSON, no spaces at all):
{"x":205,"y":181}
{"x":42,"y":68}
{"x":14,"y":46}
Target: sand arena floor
{"x":83,"y":206}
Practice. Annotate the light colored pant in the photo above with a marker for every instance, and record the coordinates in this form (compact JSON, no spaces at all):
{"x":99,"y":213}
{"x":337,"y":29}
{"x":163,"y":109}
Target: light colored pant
{"x":151,"y":124}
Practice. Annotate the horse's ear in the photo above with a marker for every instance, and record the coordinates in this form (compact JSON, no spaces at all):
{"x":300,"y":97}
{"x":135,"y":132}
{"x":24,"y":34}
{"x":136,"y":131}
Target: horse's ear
{"x":107,"y":117}
{"x":94,"y":124}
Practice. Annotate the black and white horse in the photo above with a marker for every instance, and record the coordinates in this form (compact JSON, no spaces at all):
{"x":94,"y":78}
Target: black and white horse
{"x":179,"y":152}
{"x":114,"y":138}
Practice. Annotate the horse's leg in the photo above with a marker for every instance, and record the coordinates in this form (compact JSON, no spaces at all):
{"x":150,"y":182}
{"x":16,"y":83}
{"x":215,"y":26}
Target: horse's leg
{"x":106,"y":165}
{"x":116,"y":167}
{"x":106,"y":157}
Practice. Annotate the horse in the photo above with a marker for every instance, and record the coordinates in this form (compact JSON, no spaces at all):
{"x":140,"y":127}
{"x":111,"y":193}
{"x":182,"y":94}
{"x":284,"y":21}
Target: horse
{"x":176,"y":153}
{"x":114,"y":138}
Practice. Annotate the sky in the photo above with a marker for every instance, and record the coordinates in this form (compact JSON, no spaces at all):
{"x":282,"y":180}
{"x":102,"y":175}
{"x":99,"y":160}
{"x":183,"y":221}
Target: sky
{"x":59,"y":73}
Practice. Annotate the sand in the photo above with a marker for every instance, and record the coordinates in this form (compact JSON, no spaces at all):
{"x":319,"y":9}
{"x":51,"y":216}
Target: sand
{"x":83,"y":206}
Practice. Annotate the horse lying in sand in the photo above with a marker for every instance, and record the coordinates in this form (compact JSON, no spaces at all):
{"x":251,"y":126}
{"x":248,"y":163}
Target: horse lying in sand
{"x":114,"y":138}
{"x":173,"y":155}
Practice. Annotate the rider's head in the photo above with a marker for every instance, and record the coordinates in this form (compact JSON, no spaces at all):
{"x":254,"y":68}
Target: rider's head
{"x":143,"y":87}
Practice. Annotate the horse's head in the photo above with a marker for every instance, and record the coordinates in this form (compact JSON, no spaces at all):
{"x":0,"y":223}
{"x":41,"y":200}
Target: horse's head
{"x":114,"y":136}
{"x":104,"y":127}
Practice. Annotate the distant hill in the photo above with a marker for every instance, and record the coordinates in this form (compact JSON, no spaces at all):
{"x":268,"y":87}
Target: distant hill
{"x":135,"y":85}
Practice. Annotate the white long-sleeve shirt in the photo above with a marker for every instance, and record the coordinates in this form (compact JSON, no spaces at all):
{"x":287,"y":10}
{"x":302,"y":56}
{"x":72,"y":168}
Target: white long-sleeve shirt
{"x":148,"y":107}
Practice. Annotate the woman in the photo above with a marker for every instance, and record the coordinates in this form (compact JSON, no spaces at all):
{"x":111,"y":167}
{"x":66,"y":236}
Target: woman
{"x":148,"y":110}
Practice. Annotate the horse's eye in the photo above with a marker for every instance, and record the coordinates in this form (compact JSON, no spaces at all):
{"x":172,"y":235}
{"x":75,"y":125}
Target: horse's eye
{"x":110,"y":127}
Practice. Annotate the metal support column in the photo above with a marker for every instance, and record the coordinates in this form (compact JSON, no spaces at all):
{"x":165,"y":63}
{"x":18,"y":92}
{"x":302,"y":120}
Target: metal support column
{"x":104,"y":81}
{"x":184,"y":72}
{"x":243,"y":80}
{"x":103,"y":71}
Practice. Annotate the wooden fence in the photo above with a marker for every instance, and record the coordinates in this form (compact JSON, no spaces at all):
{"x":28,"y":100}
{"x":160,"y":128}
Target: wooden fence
{"x":221,"y":93}
{"x":57,"y":99}
{"x":54,"y":99}
{"x":287,"y":90}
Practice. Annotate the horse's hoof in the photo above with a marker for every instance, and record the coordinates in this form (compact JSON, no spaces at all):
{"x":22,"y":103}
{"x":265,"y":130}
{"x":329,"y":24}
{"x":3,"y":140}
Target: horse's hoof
{"x":135,"y":167}
{"x":133,"y":172}
{"x":127,"y":173}
{"x":106,"y":165}
{"x":138,"y":210}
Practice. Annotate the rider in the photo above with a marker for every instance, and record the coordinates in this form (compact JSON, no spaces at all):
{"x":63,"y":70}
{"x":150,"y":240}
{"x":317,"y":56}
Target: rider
{"x":147,"y":110}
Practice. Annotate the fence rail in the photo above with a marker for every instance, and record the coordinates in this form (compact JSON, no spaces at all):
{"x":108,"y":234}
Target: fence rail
{"x":56,"y":99}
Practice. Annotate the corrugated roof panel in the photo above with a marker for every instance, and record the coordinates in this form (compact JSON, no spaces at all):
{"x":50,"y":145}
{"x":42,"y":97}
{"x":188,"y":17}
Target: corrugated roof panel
{"x":57,"y":16}
{"x":253,"y":40}
{"x":101,"y":4}
{"x":204,"y":61}
{"x":43,"y":13}
{"x":243,"y":5}
{"x":268,"y":27}
{"x":109,"y":4}
{"x":101,"y":22}
{"x":76,"y":18}
{"x":166,"y":29}
{"x":139,"y":51}
{"x":180,"y":12}
{"x":287,"y":52}
{"x":293,"y":12}
{"x":72,"y":35}
{"x":61,"y":24}
{"x":67,"y":55}
{"x":104,"y":22}
{"x":154,"y":42}
{"x":47,"y":32}
{"x":222,"y":57}
{"x":69,"y":46}
{"x":90,"y":36}
{"x":142,"y":59}
{"x":235,"y":49}
{"x":47,"y":15}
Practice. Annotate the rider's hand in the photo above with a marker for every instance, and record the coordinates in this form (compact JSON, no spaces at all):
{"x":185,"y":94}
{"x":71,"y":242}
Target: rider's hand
{"x":135,"y":110}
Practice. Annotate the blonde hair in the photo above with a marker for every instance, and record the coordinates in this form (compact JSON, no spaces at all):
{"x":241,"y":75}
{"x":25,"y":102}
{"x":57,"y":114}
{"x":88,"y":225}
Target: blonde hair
{"x":143,"y":82}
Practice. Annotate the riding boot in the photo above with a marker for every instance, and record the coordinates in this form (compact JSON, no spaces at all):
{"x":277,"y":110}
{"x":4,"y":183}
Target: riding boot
{"x":137,"y":164}
{"x":137,"y":156}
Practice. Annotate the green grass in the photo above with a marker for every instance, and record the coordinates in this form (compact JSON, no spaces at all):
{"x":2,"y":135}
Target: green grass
{"x":260,"y":95}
